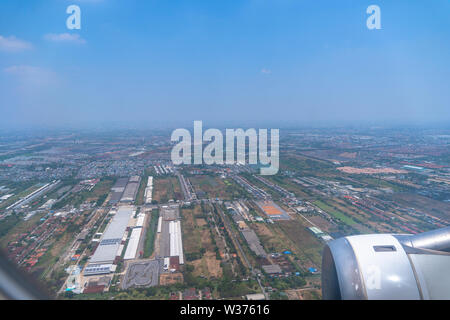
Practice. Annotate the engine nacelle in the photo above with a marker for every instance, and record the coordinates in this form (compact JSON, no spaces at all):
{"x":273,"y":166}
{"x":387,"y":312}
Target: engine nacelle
{"x":386,"y":266}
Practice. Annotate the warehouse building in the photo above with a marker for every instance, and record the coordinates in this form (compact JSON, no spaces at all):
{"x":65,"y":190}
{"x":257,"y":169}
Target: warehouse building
{"x":130,"y":192}
{"x":176,"y":245}
{"x":253,"y":242}
{"x":117,"y":190}
{"x":159,"y":224}
{"x":272,"y":269}
{"x":133,"y":243}
{"x":110,"y":243}
{"x":170,"y":239}
{"x":140,"y":220}
{"x":149,"y":191}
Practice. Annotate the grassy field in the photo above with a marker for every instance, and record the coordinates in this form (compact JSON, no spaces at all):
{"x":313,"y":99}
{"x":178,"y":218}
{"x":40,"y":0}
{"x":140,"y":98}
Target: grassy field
{"x":215,"y":187}
{"x":20,"y":226}
{"x":166,"y":189}
{"x":98,"y":193}
{"x":335,"y":213}
{"x":297,"y":238}
{"x":150,"y":234}
{"x":101,"y":189}
{"x":305,"y":165}
{"x":198,"y":246}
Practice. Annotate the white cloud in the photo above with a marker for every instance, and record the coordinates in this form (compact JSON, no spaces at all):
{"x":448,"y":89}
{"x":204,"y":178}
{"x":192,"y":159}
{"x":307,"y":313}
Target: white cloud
{"x":65,"y":37}
{"x":12,"y":44}
{"x":31,"y":77}
{"x":266,"y":71}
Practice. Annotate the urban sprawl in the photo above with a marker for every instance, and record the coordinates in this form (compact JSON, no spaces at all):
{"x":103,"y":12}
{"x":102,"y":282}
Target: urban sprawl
{"x":107,"y":215}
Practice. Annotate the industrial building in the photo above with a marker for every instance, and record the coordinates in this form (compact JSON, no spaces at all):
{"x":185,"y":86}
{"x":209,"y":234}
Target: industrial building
{"x":320,"y":234}
{"x":159,"y":224}
{"x":117,"y":190}
{"x":110,"y":243}
{"x":140,"y":220}
{"x":176,"y":245}
{"x":37,"y":193}
{"x":169,"y":227}
{"x":149,"y":191}
{"x":130,"y":192}
{"x":272,"y":269}
{"x":253,"y":242}
{"x":133,"y":243}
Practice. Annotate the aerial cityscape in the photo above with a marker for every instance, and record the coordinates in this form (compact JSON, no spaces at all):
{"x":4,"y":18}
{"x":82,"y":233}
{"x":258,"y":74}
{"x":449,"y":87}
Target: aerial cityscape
{"x":224,"y":150}
{"x":99,"y":216}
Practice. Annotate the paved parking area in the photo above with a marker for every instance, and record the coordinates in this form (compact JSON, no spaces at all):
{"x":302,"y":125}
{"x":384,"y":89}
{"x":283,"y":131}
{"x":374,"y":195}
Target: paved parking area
{"x":142,"y":274}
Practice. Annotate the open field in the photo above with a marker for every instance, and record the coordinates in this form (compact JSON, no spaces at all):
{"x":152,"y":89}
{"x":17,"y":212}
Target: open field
{"x":302,"y":242}
{"x":166,"y":279}
{"x":216,"y":187}
{"x":207,"y":266}
{"x":304,"y":294}
{"x":150,"y":234}
{"x":199,"y":248}
{"x":294,"y":236}
{"x":335,"y":213}
{"x":98,"y":194}
{"x":166,"y":189}
{"x":20,"y":227}
{"x":306,"y":165}
{"x":101,"y":189}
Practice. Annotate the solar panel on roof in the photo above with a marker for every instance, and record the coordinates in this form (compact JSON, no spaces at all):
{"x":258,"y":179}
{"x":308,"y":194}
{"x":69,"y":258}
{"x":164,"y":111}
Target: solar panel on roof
{"x":110,"y":241}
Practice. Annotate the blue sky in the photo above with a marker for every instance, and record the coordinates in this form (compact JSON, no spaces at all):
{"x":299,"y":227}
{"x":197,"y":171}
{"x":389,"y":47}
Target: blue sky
{"x":282,"y":61}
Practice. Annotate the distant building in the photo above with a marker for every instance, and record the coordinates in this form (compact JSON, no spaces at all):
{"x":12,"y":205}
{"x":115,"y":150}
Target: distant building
{"x":272,"y":269}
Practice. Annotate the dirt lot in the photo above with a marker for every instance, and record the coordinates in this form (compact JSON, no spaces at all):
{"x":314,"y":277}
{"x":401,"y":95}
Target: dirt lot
{"x":207,"y":266}
{"x":170,"y":278}
{"x":304,"y":294}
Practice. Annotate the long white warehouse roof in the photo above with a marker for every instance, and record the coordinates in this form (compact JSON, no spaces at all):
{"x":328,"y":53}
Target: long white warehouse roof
{"x":140,"y":220}
{"x":132,"y":247}
{"x":112,"y":237}
{"x":159,"y":224}
{"x":176,"y":245}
